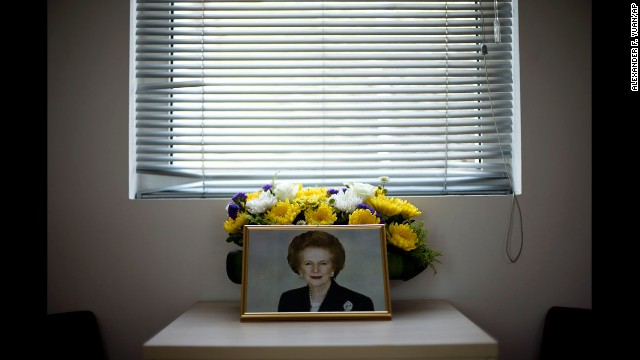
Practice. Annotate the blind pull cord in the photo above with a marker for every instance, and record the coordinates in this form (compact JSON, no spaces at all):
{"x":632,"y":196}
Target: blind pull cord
{"x":496,"y":23}
{"x":514,"y":199}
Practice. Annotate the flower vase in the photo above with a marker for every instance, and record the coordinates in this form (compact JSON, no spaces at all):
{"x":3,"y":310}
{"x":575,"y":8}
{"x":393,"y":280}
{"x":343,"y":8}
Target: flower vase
{"x":401,"y":267}
{"x":234,"y":266}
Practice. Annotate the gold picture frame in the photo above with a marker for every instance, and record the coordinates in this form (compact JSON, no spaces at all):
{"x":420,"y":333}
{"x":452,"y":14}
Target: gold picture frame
{"x":356,"y":276}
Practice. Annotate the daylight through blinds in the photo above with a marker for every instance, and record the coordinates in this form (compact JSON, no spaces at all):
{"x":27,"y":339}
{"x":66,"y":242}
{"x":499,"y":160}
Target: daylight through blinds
{"x":229,"y":93}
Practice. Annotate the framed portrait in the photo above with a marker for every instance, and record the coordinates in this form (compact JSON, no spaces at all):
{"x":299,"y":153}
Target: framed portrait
{"x":315,"y":272}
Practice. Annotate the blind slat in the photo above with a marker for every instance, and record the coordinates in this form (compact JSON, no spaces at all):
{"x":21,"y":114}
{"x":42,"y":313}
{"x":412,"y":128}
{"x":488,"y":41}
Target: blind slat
{"x":334,"y":98}
{"x":195,"y":37}
{"x":331,"y":115}
{"x":477,"y":90}
{"x":453,"y":18}
{"x":442,"y":56}
{"x":317,"y":5}
{"x":490,"y":138}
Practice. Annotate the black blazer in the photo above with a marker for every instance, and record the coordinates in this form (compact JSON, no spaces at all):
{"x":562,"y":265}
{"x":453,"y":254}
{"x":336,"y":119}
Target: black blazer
{"x":338,"y":298}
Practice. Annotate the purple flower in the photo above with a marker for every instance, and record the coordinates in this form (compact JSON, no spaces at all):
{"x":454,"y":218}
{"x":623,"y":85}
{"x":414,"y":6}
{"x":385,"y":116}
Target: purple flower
{"x":239,"y":197}
{"x":365,"y":206}
{"x":232,"y":210}
{"x":332,"y":191}
{"x":267,"y":187}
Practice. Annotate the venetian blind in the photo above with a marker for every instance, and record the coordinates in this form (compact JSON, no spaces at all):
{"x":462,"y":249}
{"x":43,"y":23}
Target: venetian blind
{"x":225,"y":94}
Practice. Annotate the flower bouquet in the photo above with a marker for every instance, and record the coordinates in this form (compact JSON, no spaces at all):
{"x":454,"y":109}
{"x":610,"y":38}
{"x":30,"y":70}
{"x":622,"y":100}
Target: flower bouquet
{"x":354,"y":204}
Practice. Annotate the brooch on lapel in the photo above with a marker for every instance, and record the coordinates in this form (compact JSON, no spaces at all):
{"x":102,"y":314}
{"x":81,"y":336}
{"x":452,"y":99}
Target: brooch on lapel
{"x":347,"y":306}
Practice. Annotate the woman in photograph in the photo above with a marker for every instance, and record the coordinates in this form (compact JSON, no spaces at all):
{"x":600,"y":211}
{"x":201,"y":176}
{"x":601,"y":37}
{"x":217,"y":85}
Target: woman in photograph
{"x":318,"y":257}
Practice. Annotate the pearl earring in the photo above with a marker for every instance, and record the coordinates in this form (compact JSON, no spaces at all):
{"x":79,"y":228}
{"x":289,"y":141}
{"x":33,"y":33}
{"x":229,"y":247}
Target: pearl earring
{"x":332,"y":273}
{"x":301,"y":276}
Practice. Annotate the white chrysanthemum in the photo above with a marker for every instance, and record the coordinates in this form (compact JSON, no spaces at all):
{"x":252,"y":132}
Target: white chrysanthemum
{"x":285,"y":191}
{"x":346,"y":201}
{"x":262,"y":203}
{"x":361,"y":189}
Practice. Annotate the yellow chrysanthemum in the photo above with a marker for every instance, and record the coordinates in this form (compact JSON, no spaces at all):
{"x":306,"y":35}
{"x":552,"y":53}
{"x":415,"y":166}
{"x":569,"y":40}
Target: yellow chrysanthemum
{"x":363,"y":216}
{"x":323,"y":215}
{"x":234,"y":226}
{"x":282,"y":213}
{"x":409,"y":210}
{"x":311,"y":197}
{"x":402,"y":236}
{"x":392,"y":206}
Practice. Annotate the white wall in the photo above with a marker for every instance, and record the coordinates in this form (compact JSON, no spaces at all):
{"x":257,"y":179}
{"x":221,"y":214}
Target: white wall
{"x":139,"y":264}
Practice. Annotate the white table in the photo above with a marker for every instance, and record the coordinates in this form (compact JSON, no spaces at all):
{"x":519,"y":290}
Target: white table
{"x":419,"y":329}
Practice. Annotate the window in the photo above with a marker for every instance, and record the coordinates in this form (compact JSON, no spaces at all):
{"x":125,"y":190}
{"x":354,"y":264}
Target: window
{"x":227,"y":94}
